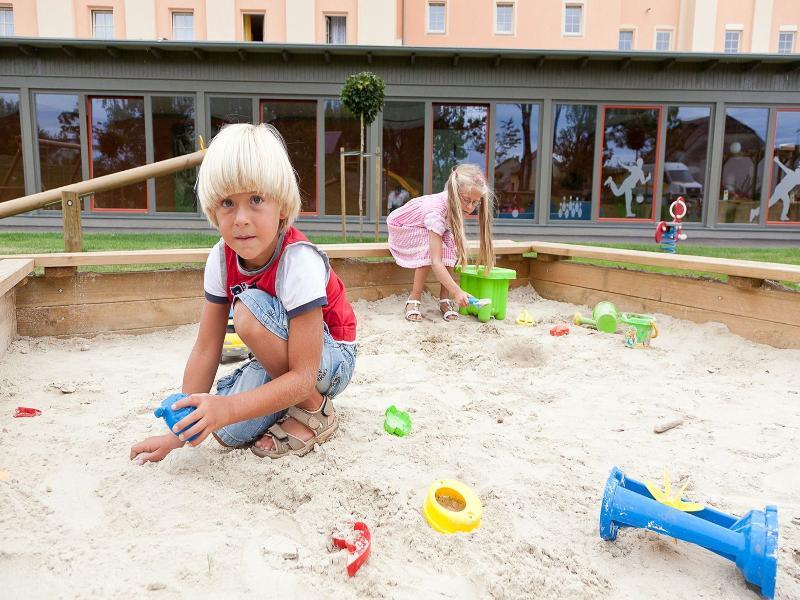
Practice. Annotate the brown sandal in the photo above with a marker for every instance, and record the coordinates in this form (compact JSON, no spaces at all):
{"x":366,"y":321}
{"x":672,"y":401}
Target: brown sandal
{"x":322,"y":422}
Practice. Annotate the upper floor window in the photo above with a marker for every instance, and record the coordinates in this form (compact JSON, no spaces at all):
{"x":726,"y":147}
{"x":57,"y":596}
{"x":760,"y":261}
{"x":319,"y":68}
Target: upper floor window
{"x":573,"y":19}
{"x":103,"y":24}
{"x":625,"y":40}
{"x":335,"y":29}
{"x":182,"y":26}
{"x":504,"y":17}
{"x":732,"y":40}
{"x":253,"y":27}
{"x":6,"y":21}
{"x":786,"y":42}
{"x":436,"y":17}
{"x":663,"y":41}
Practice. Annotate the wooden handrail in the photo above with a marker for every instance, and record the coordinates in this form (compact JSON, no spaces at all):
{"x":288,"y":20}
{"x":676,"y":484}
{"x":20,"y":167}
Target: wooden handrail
{"x":104,"y":183}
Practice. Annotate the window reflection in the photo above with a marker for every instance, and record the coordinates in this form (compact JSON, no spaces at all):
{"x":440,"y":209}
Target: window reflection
{"x":742,"y":163}
{"x":173,"y":135}
{"x":459,"y":136}
{"x":685,"y":159}
{"x":117,"y":134}
{"x":516,"y":148}
{"x":296,"y":121}
{"x":573,"y":162}
{"x":403,"y":153}
{"x":784,"y":197}
{"x":342,"y":129}
{"x":225,"y":111}
{"x":628,"y":158}
{"x":12,"y":182}
{"x":59,"y":139}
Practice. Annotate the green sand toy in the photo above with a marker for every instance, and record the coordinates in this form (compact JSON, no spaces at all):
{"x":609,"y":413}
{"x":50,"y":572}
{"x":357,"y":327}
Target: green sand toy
{"x":397,"y":422}
{"x":493,"y":286}
{"x":605,"y":318}
{"x":642,"y":329}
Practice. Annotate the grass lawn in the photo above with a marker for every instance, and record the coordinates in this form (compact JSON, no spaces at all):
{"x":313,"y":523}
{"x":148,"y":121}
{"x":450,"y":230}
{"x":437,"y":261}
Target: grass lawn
{"x":34,"y":243}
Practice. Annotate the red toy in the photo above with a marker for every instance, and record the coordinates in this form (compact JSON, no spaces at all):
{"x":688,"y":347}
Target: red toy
{"x":559,"y":330}
{"x":23,"y":411}
{"x":359,"y":549}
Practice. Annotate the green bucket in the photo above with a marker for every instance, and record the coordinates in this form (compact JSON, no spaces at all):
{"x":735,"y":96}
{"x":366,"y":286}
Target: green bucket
{"x":642,"y":329}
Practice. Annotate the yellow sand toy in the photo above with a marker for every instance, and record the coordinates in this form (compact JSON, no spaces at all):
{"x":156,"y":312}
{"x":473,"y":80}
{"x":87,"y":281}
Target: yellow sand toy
{"x":450,"y":506}
{"x":524,"y":318}
{"x":667,"y":498}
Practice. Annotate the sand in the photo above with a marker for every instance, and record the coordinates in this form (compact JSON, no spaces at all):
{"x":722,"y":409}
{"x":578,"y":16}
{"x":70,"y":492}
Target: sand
{"x":532,"y":423}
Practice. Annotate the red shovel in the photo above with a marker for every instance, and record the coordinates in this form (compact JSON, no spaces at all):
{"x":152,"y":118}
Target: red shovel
{"x":359,"y":549}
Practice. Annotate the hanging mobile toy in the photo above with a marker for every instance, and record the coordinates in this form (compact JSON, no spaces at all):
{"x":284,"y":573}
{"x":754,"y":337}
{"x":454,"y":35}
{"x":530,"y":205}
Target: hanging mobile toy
{"x":669,"y":233}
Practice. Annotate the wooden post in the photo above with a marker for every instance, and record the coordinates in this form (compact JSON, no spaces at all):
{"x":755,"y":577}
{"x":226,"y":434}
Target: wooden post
{"x":71,"y":209}
{"x":341,"y":176}
{"x":378,"y":199}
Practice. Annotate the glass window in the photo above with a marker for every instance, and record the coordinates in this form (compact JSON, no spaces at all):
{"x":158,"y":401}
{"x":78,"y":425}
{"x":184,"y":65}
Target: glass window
{"x":225,"y":111}
{"x":573,"y":15}
{"x":685,"y":159}
{"x":117,"y":137}
{"x":12,"y":184}
{"x":173,"y":135}
{"x":459,"y":136}
{"x":504,"y":18}
{"x":103,"y":24}
{"x":516,"y":145}
{"x":403,"y":153}
{"x":663,"y":41}
{"x":436,"y":17}
{"x":786,"y":42}
{"x":742,"y":164}
{"x":59,"y":139}
{"x":573,"y":162}
{"x":732,"y":41}
{"x":342,"y":129}
{"x":296,"y":121}
{"x":784,"y":192}
{"x":182,"y":26}
{"x":253,"y":27}
{"x":6,"y":21}
{"x":628,"y":159}
{"x":335,"y":29}
{"x":625,"y":40}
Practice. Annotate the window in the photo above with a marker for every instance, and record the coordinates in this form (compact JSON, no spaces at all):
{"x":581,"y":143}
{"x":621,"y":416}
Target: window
{"x":342,"y":130}
{"x":12,"y":184}
{"x":335,"y":29}
{"x":459,"y":136}
{"x":403,"y":153}
{"x":685,"y":159}
{"x":625,"y":40}
{"x":573,"y":19}
{"x":174,"y":135}
{"x":786,"y":42}
{"x":436,"y":17}
{"x":182,"y":26}
{"x":663,"y":41}
{"x":6,"y":21}
{"x":253,"y":27}
{"x":628,"y":161}
{"x":516,"y":148}
{"x":103,"y":24}
{"x":225,"y":111}
{"x":573,"y":158}
{"x":59,"y":139}
{"x":732,"y":41}
{"x":783,"y":205}
{"x":504,"y":18}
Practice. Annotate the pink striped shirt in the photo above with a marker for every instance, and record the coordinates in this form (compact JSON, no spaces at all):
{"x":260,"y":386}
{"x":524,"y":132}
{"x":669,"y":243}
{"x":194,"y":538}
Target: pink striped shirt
{"x":408,"y":231}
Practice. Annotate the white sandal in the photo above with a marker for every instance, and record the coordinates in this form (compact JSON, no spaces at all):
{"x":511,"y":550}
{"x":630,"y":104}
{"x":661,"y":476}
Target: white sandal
{"x":451,"y":309}
{"x":414,"y":311}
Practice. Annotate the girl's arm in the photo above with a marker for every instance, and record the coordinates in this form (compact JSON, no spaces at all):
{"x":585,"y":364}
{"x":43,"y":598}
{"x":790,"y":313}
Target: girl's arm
{"x":201,"y":367}
{"x":440,"y":270}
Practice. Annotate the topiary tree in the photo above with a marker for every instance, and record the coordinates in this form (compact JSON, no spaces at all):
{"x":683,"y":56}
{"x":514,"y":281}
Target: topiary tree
{"x":362,"y":95}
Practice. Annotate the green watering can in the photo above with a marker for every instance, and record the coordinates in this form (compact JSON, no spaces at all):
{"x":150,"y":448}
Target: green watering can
{"x":605,"y":318}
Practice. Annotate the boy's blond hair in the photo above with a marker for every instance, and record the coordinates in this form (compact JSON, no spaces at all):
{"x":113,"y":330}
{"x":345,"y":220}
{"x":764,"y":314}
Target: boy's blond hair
{"x":248,"y":158}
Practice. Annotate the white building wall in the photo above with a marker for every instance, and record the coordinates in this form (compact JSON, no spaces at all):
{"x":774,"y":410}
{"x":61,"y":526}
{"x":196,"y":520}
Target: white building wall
{"x":377,"y":23}
{"x":55,"y":18}
{"x":140,"y":19}
{"x":300,"y":19}
{"x":762,"y":25}
{"x":221,"y":20}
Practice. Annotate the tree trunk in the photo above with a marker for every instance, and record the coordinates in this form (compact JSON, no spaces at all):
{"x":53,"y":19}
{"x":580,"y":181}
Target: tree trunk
{"x":361,"y":185}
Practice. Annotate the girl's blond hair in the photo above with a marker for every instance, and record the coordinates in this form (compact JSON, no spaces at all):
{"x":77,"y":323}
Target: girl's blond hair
{"x":248,"y":158}
{"x":462,"y":179}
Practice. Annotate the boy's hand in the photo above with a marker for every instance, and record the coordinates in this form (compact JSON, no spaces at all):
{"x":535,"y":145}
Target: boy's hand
{"x":154,"y":449}
{"x":212,"y":412}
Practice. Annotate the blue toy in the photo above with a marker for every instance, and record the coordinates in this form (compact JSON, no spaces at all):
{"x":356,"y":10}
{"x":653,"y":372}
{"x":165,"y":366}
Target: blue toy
{"x":173,"y":416}
{"x":751,"y":542}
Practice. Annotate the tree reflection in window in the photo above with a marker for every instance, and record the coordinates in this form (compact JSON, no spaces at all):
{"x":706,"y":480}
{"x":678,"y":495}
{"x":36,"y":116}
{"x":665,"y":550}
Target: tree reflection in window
{"x":59,"y":140}
{"x":685,"y":160}
{"x":573,"y":162}
{"x":516,"y":147}
{"x":459,"y":136}
{"x":12,"y":183}
{"x":174,"y":135}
